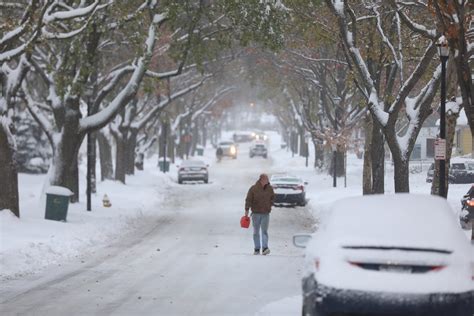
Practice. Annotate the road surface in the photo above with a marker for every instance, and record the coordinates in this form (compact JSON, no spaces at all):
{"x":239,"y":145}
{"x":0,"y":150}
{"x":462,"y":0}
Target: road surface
{"x":192,"y":258}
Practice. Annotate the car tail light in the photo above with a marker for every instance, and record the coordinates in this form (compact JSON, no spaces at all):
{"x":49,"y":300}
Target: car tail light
{"x":470,"y":202}
{"x":299,"y":187}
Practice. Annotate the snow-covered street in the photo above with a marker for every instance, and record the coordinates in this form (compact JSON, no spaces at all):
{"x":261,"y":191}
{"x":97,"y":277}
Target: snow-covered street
{"x":190,"y":257}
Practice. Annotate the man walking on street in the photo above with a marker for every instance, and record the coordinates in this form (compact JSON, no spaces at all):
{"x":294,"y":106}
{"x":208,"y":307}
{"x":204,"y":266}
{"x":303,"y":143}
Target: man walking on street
{"x":260,"y":200}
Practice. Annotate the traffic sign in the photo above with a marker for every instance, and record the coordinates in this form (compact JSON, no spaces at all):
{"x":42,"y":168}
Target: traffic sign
{"x":440,"y":149}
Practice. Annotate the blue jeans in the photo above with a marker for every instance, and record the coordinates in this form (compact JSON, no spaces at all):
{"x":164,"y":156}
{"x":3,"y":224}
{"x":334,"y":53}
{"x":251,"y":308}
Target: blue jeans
{"x":260,"y":221}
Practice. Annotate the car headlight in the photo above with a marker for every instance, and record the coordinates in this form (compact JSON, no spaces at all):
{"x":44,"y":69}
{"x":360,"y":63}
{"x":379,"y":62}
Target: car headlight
{"x":233,"y":150}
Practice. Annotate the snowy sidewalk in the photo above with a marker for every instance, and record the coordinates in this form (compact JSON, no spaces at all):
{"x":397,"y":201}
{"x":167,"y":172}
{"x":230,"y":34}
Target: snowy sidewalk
{"x":30,"y":243}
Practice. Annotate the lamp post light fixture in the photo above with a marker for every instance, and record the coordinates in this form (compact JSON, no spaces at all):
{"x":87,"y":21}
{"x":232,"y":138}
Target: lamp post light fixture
{"x":443,"y":51}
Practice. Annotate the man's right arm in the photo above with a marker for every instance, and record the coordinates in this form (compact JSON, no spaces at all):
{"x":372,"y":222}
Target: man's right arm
{"x":248,"y":201}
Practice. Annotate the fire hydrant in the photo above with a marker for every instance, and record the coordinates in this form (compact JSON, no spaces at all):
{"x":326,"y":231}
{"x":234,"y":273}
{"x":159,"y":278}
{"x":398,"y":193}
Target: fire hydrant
{"x":106,"y":201}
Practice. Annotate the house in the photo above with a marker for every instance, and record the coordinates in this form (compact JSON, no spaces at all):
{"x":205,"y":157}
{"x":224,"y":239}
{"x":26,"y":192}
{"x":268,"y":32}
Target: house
{"x":424,"y":145}
{"x":463,"y":142}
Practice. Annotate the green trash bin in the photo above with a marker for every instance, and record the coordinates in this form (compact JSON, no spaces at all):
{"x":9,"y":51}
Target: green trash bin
{"x":57,"y":202}
{"x":200,"y":151}
{"x":164,"y":165}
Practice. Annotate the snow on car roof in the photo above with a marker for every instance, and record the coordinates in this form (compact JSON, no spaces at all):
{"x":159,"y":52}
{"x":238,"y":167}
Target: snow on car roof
{"x":403,"y":220}
{"x":286,"y":180}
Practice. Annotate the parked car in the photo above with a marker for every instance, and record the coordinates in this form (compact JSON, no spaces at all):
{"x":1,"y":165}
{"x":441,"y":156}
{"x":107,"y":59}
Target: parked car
{"x":388,"y":255}
{"x":258,"y":149}
{"x":461,"y":172}
{"x":288,"y":190}
{"x":229,"y":149}
{"x":193,"y":170}
{"x":430,"y":174}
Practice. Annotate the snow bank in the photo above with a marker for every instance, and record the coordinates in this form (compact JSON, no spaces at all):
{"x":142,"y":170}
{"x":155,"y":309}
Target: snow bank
{"x":31,"y":243}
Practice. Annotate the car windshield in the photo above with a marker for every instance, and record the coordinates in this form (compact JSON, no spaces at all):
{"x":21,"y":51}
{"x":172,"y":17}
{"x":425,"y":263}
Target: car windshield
{"x":458,"y":166}
{"x":226,"y":143}
{"x":197,"y":163}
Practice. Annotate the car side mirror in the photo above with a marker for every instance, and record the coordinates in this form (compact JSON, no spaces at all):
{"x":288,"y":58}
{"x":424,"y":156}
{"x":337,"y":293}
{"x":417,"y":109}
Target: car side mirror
{"x":301,"y":240}
{"x":306,"y":183}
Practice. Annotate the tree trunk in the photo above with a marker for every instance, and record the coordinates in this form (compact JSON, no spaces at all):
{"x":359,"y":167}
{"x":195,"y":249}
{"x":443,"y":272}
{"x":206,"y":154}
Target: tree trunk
{"x":131,"y":145}
{"x":204,"y":133}
{"x":301,"y":142}
{"x":65,"y":170}
{"x":8,"y":171}
{"x":378,"y":160}
{"x":401,"y":174}
{"x":339,"y":164}
{"x":319,"y":154}
{"x":105,"y":153}
{"x":451,"y":119}
{"x":171,"y":148}
{"x":120,"y":160}
{"x":367,"y":169}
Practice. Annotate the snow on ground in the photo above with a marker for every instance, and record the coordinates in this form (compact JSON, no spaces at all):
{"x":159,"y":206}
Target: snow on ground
{"x":31,"y":243}
{"x":165,"y":243}
{"x":190,"y":255}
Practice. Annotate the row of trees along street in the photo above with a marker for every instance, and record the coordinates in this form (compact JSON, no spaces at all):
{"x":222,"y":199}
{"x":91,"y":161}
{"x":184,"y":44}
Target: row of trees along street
{"x":134,"y":75}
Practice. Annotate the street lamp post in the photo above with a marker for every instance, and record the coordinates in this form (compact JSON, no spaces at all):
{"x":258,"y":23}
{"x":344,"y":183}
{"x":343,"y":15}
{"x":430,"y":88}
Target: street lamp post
{"x":443,"y":51}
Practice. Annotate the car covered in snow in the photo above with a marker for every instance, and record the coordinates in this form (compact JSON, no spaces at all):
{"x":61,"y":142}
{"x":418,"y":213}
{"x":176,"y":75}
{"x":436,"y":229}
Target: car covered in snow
{"x":388,"y":255}
{"x":258,"y":149}
{"x":193,"y":170}
{"x":229,"y":149}
{"x":288,"y":190}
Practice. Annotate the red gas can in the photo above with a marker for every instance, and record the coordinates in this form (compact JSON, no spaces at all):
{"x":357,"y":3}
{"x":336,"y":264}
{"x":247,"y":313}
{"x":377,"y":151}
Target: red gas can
{"x":245,"y":222}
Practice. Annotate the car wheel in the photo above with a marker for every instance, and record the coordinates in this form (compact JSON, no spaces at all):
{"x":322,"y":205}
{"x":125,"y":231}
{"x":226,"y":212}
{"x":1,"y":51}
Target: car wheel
{"x":265,"y":156}
{"x":206,"y":180}
{"x":180,"y":181}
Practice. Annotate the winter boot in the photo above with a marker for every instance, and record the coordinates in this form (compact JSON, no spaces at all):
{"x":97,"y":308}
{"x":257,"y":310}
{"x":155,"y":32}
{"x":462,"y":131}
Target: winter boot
{"x":265,"y":251}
